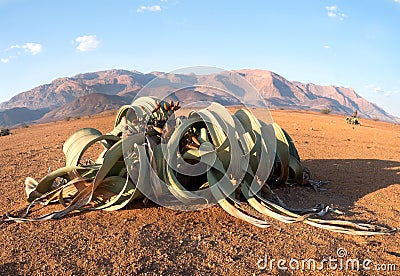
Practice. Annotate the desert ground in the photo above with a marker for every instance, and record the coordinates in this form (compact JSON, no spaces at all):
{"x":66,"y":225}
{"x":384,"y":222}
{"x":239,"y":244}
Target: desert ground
{"x":362,"y":164}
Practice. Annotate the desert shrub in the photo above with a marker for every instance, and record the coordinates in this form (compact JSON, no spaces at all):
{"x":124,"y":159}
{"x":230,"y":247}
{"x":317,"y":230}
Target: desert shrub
{"x":325,"y":111}
{"x":68,"y":119}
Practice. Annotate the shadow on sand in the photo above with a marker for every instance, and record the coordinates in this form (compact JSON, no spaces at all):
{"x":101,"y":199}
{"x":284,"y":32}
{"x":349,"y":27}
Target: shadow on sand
{"x":349,"y":181}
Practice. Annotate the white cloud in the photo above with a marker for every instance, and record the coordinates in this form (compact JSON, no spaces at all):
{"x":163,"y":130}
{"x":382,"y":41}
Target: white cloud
{"x":87,"y":43}
{"x":155,"y":8}
{"x":331,"y":8}
{"x":397,"y":1}
{"x":376,"y":89}
{"x":327,"y":46}
{"x":334,"y":12}
{"x":391,"y":93}
{"x":331,"y":14}
{"x":17,"y":50}
{"x":33,"y":48}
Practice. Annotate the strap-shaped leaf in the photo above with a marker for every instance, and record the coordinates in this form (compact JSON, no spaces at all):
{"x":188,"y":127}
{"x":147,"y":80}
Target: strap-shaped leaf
{"x":282,"y":152}
{"x":77,"y":144}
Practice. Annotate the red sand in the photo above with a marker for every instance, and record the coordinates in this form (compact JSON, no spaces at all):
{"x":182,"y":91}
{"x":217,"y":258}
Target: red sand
{"x":362,"y":164}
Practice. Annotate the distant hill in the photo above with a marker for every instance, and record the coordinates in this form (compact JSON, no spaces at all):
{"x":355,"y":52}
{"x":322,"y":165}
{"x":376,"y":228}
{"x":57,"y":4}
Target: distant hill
{"x":86,"y":105}
{"x":90,"y":93}
{"x":19,"y":115}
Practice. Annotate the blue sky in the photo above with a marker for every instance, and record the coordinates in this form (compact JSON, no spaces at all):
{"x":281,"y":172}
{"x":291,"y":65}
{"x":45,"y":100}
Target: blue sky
{"x":346,"y":43}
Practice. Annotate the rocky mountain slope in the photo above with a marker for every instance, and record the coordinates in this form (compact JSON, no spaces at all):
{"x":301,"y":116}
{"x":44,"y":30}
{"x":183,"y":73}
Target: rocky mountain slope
{"x":86,"y":105}
{"x":65,"y":90}
{"x":90,"y":93}
{"x":279,"y":92}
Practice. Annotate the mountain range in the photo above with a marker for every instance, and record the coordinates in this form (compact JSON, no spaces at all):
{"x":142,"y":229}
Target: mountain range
{"x":91,"y":93}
